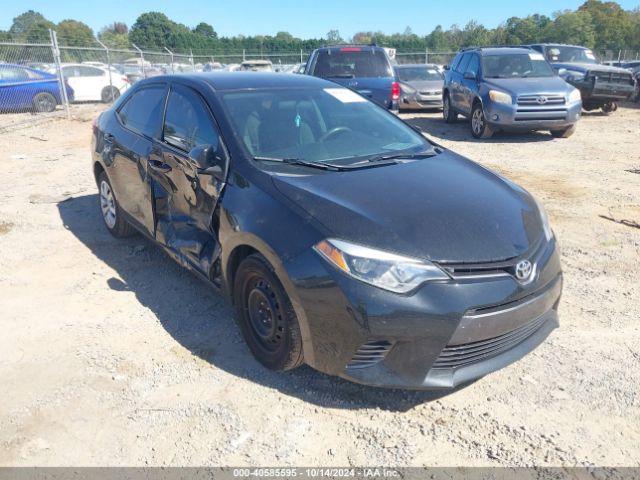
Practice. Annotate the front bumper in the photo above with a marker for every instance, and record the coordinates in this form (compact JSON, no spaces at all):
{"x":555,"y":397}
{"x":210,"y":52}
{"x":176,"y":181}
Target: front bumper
{"x":441,"y":336}
{"x":594,"y":90}
{"x":515,"y":117}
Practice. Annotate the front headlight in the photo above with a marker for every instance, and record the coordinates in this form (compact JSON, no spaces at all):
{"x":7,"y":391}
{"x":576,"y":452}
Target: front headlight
{"x":500,"y":97}
{"x":548,"y":233}
{"x":574,"y":96}
{"x":389,"y":271}
{"x":575,"y":75}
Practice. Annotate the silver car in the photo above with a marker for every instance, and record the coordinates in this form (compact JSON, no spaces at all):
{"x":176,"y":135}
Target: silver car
{"x":420,"y":86}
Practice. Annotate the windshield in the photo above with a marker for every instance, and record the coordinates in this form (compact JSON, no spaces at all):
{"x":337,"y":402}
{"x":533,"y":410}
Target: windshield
{"x":516,"y":66}
{"x":319,"y":125}
{"x":562,"y":54}
{"x":352,"y":62}
{"x":418,"y":74}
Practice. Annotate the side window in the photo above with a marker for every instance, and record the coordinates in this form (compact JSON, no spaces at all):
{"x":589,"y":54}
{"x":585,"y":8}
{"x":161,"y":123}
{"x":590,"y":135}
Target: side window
{"x":68,"y":72}
{"x":12,"y":73}
{"x":462,"y":64}
{"x":187,"y":122}
{"x":142,"y":112}
{"x":455,"y":62}
{"x":90,"y":72}
{"x":474,"y":65}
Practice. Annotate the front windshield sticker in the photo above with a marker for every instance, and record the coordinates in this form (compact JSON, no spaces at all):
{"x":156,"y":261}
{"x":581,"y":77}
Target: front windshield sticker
{"x":589,"y":54}
{"x":536,"y":56}
{"x":345,"y":95}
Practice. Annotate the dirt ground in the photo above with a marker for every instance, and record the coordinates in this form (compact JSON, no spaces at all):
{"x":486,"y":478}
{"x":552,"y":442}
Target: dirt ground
{"x":111,"y":354}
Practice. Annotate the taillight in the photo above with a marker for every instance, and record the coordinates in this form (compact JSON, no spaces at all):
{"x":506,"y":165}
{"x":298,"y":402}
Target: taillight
{"x":350,"y":49}
{"x":395,"y":91}
{"x":126,"y":80}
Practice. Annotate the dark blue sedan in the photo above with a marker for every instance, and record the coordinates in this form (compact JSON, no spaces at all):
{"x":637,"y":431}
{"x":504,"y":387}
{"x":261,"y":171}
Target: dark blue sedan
{"x":24,"y":88}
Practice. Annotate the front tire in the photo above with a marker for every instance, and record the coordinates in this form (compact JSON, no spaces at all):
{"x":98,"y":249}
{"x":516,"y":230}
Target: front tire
{"x":44,"y":102}
{"x":565,"y":132}
{"x":449,"y":115}
{"x":479,"y":126}
{"x":111,"y":211}
{"x":265,"y":314}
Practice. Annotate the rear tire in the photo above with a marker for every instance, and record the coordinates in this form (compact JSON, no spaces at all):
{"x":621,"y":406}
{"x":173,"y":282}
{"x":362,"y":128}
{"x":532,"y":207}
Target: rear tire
{"x":110,"y":94}
{"x":44,"y":102}
{"x":265,"y":314}
{"x":479,"y":126}
{"x":111,"y":212}
{"x":449,"y":115}
{"x":565,"y":132}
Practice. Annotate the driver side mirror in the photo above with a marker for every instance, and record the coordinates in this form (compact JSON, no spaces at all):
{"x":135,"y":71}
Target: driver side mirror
{"x":561,"y":72}
{"x":207,"y":161}
{"x":446,"y":67}
{"x":470,"y":76}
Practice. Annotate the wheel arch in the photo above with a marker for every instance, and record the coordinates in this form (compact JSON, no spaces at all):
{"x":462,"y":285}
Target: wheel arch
{"x":247,"y":244}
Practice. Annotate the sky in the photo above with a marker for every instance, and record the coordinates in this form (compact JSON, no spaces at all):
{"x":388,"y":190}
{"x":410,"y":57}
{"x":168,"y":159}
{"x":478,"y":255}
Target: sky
{"x":301,"y":19}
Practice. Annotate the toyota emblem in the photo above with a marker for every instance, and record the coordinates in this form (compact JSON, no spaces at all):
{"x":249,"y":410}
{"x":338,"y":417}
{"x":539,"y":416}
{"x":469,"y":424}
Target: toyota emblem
{"x":523,"y":270}
{"x":542,"y":100}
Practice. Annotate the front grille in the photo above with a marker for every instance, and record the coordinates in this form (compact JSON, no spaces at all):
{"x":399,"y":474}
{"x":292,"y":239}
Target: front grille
{"x":612,"y":77}
{"x":455,"y":356}
{"x":369,"y":354}
{"x":481,"y":270}
{"x":534,"y":100}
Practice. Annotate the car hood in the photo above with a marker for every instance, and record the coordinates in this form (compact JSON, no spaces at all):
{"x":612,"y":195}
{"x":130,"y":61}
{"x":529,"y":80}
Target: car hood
{"x":586,"y":67}
{"x":444,"y":208}
{"x":530,"y":86}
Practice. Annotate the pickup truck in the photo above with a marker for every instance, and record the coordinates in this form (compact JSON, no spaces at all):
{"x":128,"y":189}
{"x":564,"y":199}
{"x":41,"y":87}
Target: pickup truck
{"x":601,"y":86}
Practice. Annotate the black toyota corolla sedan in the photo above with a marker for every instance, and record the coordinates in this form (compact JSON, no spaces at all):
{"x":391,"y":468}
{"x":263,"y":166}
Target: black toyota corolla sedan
{"x":344,"y":238}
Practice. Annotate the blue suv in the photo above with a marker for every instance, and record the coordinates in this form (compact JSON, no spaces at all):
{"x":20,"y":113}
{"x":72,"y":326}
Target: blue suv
{"x":507,"y":88}
{"x":364,"y":68}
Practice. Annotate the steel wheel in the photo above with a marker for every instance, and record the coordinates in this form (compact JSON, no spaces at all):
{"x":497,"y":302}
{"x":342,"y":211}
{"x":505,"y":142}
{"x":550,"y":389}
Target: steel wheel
{"x":107,"y":205}
{"x":265,"y":317}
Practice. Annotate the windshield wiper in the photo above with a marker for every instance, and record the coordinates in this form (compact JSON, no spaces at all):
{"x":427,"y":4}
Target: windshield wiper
{"x":341,"y":75}
{"x":304,"y":163}
{"x":405,"y":156}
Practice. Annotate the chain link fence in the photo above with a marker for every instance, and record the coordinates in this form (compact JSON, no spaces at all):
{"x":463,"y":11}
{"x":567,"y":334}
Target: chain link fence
{"x":39,"y":81}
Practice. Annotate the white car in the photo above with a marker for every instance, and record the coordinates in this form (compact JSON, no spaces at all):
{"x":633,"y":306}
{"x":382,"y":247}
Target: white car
{"x":92,"y":83}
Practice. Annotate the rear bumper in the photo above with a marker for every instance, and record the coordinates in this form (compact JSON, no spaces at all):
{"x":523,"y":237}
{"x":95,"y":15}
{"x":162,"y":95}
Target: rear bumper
{"x":514,"y":117}
{"x":441,"y":336}
{"x":421,"y":102}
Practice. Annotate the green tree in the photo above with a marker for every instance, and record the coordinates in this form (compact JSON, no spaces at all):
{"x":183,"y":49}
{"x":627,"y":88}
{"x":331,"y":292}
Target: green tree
{"x":74,"y":34}
{"x":333,"y":37}
{"x":154,"y":29}
{"x":22,"y":22}
{"x":206,"y":30}
{"x":115,"y":35}
{"x":611,"y":23}
{"x":573,"y":28}
{"x":37,"y":32}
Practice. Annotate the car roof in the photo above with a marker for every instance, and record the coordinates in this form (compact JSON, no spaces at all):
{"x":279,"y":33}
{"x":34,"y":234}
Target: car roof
{"x":413,"y":65}
{"x":498,"y":50}
{"x":246,"y":80}
{"x":338,"y":48}
{"x":561,"y":45}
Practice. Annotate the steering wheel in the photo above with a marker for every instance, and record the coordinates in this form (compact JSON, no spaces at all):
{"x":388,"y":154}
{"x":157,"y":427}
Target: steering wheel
{"x":333,"y":132}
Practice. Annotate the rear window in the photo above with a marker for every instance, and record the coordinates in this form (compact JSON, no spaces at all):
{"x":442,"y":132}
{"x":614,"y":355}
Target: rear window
{"x":142,"y":112}
{"x":349,"y":63}
{"x":416,"y":74}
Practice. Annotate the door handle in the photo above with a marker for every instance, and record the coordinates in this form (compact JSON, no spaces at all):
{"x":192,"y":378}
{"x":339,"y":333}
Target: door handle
{"x":159,"y":166}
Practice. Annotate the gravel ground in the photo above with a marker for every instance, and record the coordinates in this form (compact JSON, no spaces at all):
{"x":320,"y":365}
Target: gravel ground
{"x":114,"y":355}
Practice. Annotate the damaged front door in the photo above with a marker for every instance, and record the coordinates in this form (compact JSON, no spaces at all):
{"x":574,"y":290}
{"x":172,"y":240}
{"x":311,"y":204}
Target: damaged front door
{"x":186,"y":190}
